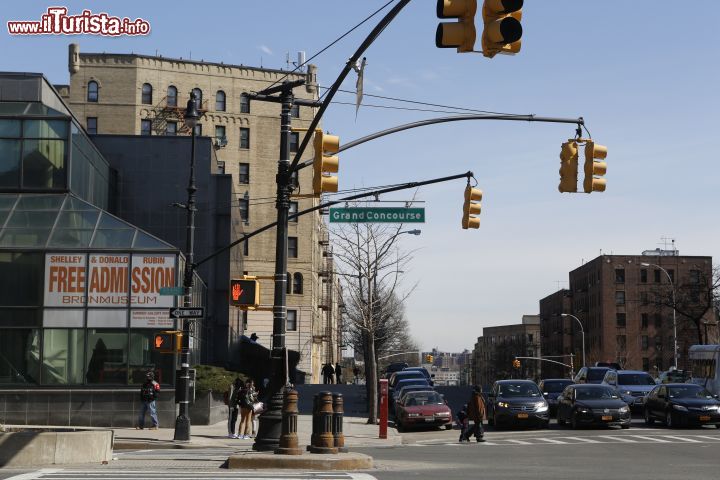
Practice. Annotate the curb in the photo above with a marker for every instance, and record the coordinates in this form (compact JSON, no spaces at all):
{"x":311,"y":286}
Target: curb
{"x":156,"y":445}
{"x":341,"y":461}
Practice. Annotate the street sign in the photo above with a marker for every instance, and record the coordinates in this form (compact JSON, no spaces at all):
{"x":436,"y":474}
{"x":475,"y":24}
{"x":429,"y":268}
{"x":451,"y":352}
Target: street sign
{"x":377,"y":215}
{"x":187,"y":312}
{"x":174,"y":291}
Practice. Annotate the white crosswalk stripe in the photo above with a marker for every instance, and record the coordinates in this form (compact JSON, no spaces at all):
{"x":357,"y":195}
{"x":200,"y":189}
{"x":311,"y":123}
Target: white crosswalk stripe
{"x":652,"y":439}
{"x":682,"y":439}
{"x":519,"y":442}
{"x":617,"y":438}
{"x":582,"y":439}
{"x":553,"y":441}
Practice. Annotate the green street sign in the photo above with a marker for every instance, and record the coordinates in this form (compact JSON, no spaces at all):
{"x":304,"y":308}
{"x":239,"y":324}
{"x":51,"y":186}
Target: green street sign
{"x":377,"y":215}
{"x":172,"y":291}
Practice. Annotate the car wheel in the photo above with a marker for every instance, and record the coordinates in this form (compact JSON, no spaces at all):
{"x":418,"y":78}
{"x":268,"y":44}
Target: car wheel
{"x":560,"y":420}
{"x":491,"y":421}
{"x":648,"y":419}
{"x":624,"y":427}
{"x":448,"y":426}
{"x":546,"y":424}
{"x":574,"y":421}
{"x":669,"y":420}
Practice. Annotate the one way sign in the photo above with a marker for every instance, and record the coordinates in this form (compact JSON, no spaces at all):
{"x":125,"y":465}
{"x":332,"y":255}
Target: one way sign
{"x":187,"y":312}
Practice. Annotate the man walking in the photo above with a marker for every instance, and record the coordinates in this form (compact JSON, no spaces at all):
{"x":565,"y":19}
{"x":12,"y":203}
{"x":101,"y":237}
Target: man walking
{"x":476,"y":413}
{"x":149,"y":391}
{"x":338,"y":374}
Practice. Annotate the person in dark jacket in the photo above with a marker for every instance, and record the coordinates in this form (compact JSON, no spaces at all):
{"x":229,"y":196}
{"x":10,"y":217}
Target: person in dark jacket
{"x":463,"y":422}
{"x":338,"y":374}
{"x":476,"y":413}
{"x":328,"y":372}
{"x":233,"y":403}
{"x":149,"y":392}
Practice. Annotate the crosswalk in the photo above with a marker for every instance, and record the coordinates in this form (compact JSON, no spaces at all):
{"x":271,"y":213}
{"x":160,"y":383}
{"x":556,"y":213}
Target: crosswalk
{"x":165,"y":474}
{"x":581,"y":440}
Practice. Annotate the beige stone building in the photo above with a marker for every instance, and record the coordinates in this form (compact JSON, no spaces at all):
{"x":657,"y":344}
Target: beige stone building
{"x":147,"y":95}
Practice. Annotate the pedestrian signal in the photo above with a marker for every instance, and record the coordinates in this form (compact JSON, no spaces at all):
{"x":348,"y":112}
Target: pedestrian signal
{"x":516,"y":363}
{"x":167,"y":342}
{"x":245,"y":292}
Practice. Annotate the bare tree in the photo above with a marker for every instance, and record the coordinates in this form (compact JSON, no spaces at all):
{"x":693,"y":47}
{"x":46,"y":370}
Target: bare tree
{"x":371,"y":265}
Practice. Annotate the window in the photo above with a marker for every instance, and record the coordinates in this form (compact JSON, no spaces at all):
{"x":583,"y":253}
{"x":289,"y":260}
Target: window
{"x":294,"y":141}
{"x":658,"y":343}
{"x":198,"y":97}
{"x":171,"y":129}
{"x":92,"y":91}
{"x":171,"y":99}
{"x":620,"y":319}
{"x":295,"y":111}
{"x":294,"y":179}
{"x":244,"y":138}
{"x":292,"y":247}
{"x":63,"y":351}
{"x":145,"y":127}
{"x":643,"y":276}
{"x":644,"y":342}
{"x":658,"y":320}
{"x":620,"y":298}
{"x":695,"y":277}
{"x":91,"y":125}
{"x":147,"y":94}
{"x":246,"y":247}
{"x":298,"y":283}
{"x":291,"y":321}
{"x":621,"y":342}
{"x":20,"y":348}
{"x":244,"y":104}
{"x":220,"y":101}
{"x":143,"y":357}
{"x":656,"y":276}
{"x":288,"y":283}
{"x":292,"y":211}
{"x":244,"y":173}
{"x":644,"y":320}
{"x":619,"y":275}
{"x":644,"y":298}
{"x":245,"y":209}
{"x":198,"y":129}
{"x":646,"y":364}
{"x":220,"y":135}
{"x":106,"y":356}
{"x":671,"y":272}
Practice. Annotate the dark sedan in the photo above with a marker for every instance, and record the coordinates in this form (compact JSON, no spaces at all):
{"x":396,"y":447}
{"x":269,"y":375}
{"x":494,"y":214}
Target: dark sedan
{"x":517,"y":402}
{"x":551,"y":388}
{"x":682,"y":404}
{"x":590,"y":404}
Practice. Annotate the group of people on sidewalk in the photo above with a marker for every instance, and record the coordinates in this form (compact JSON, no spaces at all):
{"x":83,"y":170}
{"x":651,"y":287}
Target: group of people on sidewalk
{"x":243,"y":399}
{"x":328,"y":372}
{"x":473,"y":410}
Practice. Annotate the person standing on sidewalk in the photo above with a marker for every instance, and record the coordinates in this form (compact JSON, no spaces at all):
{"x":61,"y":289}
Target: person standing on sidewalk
{"x":338,"y":374}
{"x":476,"y":413}
{"x":148,"y":394}
{"x":248,"y":397}
{"x":232,"y":401}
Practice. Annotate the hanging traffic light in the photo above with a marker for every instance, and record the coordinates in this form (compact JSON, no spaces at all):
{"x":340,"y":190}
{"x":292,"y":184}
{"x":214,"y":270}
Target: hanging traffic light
{"x":503,"y":29}
{"x":429,"y":358}
{"x":324,"y":163}
{"x":594,"y":168}
{"x":568,"y":167}
{"x":245,"y":292}
{"x":460,"y":34}
{"x":471,"y":207}
{"x":516,"y":363}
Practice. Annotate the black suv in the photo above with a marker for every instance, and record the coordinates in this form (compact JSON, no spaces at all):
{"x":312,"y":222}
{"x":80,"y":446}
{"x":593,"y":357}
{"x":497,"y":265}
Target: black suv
{"x":517,"y":402}
{"x":591,"y":374}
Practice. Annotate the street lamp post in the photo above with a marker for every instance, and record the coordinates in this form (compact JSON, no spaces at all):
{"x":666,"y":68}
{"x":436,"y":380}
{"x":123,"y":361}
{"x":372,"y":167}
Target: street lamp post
{"x":672,"y":284}
{"x":182,"y":422}
{"x":582,"y":331}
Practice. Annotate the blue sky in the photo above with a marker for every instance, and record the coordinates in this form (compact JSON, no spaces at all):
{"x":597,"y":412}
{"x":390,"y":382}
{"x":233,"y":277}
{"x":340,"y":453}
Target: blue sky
{"x":643,"y":78}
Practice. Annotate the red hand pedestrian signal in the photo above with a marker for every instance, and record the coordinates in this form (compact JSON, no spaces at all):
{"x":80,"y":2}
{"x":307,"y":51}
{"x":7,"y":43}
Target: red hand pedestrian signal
{"x":244,"y":292}
{"x":159,"y":341}
{"x":236,"y":292}
{"x":163,"y":342}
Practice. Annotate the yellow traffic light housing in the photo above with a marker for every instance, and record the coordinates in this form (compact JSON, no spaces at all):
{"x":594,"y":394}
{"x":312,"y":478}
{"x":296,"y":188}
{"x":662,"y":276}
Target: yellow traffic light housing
{"x":429,"y":358}
{"x":471,"y":207}
{"x":460,"y":34}
{"x":568,"y":167}
{"x":594,"y":167}
{"x":516,"y":363}
{"x":503,"y":29}
{"x":324,"y":163}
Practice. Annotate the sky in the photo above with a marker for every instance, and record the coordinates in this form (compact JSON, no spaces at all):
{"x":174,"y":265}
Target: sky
{"x":644,"y":80}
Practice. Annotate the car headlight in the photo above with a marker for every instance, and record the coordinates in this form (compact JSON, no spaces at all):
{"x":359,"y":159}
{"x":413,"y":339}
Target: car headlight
{"x":541,"y":407}
{"x":712,"y":407}
{"x":503,"y":405}
{"x":583,"y":410}
{"x":623,"y":409}
{"x":626,"y":392}
{"x":680,"y":408}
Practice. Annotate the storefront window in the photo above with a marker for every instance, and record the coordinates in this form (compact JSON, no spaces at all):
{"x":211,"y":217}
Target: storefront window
{"x":26,"y":271}
{"x":19,"y":356}
{"x":63,"y":351}
{"x":144,"y":358}
{"x":44,"y":163}
{"x":106,"y":356}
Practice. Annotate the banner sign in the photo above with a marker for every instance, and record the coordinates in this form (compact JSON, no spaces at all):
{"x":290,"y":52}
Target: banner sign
{"x":108,"y":281}
{"x":65,"y":276}
{"x":377,"y":215}
{"x":149,"y":274}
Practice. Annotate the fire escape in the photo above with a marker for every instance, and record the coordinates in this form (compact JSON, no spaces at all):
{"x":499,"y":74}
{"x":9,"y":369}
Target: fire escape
{"x":326,"y":333}
{"x":162,"y":113}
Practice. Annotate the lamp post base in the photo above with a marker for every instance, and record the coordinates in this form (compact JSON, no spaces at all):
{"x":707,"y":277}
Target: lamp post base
{"x":182,"y":429}
{"x":268,"y":435}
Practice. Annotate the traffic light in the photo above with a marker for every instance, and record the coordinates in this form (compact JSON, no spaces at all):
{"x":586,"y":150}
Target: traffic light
{"x":594,"y":168}
{"x":460,"y":34}
{"x":429,"y":358}
{"x":167,"y":342}
{"x":244,"y":292}
{"x":516,"y":363}
{"x":471,"y":207}
{"x":325,"y":163}
{"x":503,"y":29}
{"x":568,"y":167}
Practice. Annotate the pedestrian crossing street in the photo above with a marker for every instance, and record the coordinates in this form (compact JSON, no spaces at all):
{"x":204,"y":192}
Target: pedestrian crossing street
{"x":137,"y":474}
{"x":580,"y":440}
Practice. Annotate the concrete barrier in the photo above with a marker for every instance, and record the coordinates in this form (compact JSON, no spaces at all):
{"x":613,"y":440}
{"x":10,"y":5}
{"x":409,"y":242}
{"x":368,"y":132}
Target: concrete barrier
{"x":38,"y":447}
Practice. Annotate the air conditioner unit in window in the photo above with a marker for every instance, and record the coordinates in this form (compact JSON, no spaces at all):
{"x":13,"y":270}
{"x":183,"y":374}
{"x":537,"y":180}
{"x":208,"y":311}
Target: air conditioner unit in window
{"x":221,"y":142}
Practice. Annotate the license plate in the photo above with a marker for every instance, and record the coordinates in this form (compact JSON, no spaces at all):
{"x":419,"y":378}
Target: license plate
{"x":704,"y":418}
{"x":429,"y":419}
{"x":522,"y":415}
{"x":607,"y":417}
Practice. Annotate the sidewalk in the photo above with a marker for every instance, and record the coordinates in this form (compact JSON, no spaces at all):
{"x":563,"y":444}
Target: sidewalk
{"x":357,"y":434}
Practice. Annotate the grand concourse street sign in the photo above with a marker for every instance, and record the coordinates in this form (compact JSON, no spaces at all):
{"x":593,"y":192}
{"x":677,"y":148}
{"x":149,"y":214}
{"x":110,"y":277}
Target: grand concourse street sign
{"x":377,"y":215}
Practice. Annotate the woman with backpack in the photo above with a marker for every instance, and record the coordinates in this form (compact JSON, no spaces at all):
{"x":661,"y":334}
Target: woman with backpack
{"x":248,"y":397}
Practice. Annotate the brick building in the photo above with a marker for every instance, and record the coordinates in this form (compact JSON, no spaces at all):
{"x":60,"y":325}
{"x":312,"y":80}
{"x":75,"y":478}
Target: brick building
{"x":557,"y":333}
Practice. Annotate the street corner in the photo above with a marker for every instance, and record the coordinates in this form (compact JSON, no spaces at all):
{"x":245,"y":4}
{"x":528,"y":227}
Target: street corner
{"x":305,"y":461}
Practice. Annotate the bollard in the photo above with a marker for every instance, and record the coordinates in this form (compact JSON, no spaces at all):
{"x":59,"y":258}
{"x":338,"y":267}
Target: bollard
{"x":288,"y":437}
{"x":338,"y":414}
{"x":383,"y":409}
{"x":324,"y":440}
{"x":315,"y":426}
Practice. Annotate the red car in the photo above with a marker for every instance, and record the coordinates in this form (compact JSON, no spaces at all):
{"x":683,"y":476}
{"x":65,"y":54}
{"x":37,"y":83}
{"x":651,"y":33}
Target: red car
{"x":418,"y":409}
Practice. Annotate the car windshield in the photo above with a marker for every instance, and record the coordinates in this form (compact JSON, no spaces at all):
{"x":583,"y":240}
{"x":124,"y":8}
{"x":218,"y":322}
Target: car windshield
{"x":635,"y":379}
{"x":596,"y":373}
{"x":689,"y":392}
{"x":602,"y":393}
{"x":429,"y":398}
{"x":555,"y":387}
{"x":519,"y":390}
